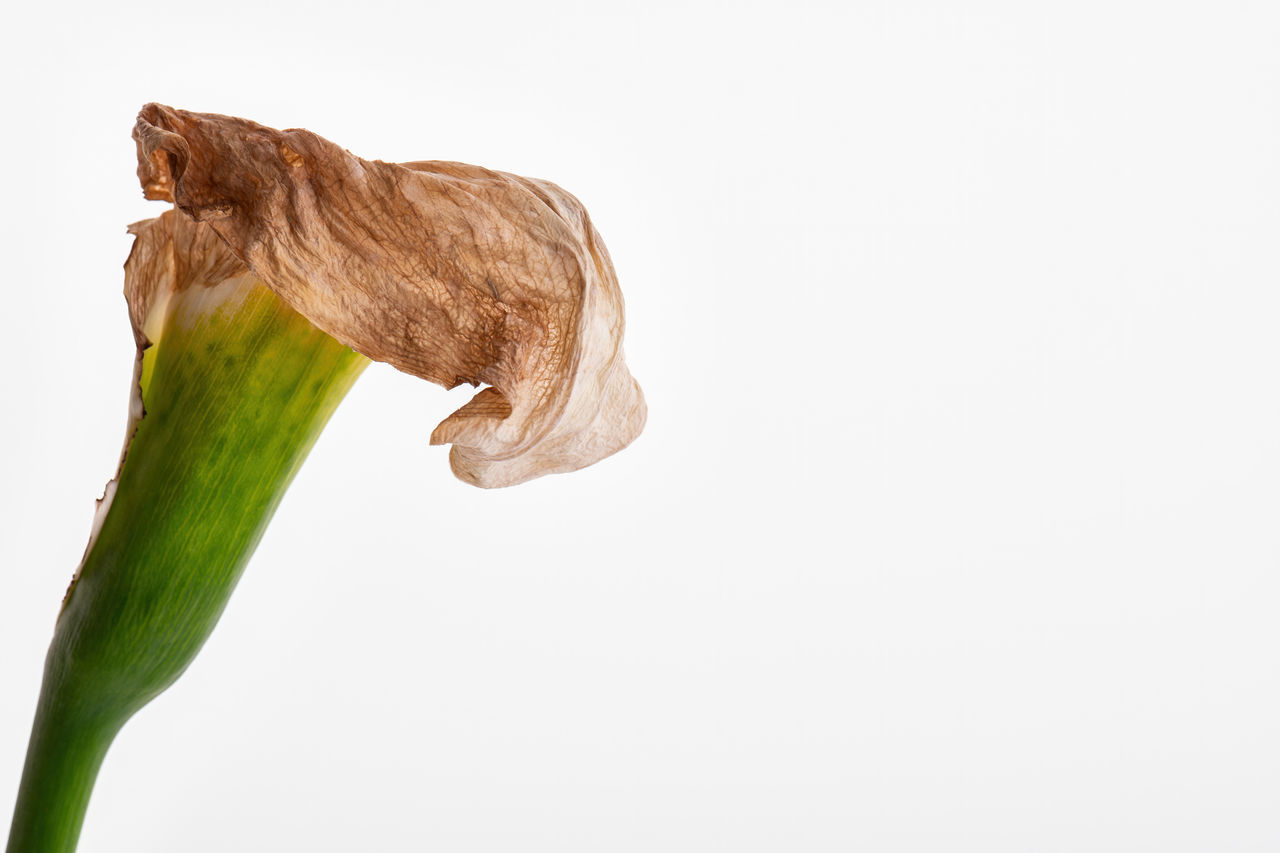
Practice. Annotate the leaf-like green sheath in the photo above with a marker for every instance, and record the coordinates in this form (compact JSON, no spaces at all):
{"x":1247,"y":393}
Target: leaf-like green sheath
{"x":236,"y":392}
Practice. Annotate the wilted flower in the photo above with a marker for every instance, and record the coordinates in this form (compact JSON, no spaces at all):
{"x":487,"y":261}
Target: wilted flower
{"x":254,"y":305}
{"x":450,"y":272}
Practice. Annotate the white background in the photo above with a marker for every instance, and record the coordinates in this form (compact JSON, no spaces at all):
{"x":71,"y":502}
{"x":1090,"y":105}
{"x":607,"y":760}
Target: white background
{"x":954,"y":526}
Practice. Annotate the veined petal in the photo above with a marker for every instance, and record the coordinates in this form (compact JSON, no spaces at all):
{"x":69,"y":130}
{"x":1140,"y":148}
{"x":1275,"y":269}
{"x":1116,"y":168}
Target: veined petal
{"x":450,"y":272}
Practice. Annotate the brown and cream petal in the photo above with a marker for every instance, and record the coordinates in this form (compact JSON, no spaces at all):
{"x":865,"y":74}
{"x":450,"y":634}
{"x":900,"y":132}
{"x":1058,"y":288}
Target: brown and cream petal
{"x":450,"y":272}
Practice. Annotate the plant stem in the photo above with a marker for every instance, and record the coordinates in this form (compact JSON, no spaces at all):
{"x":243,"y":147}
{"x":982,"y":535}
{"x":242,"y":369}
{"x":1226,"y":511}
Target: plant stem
{"x":236,"y":392}
{"x":63,"y":758}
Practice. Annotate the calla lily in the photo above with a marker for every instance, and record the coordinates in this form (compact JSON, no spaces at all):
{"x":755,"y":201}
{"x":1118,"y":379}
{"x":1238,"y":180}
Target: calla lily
{"x":285,"y":266}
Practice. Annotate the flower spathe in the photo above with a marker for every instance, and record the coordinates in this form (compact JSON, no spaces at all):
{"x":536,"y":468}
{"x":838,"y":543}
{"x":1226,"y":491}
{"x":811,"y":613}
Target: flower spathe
{"x":450,"y":272}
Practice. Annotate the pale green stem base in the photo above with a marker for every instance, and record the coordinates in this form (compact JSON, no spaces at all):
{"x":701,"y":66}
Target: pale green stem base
{"x":236,"y":392}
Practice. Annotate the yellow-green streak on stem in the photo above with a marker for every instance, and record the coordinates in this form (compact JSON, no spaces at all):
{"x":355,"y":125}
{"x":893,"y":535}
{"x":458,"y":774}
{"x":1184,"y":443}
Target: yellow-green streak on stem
{"x":236,"y":393}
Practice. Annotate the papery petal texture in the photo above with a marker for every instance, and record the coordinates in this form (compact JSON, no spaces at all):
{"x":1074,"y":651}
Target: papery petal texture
{"x":450,"y":272}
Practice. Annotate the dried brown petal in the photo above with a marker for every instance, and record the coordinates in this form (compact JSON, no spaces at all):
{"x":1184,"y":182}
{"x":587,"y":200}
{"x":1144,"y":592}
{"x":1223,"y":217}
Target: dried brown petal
{"x":450,"y":272}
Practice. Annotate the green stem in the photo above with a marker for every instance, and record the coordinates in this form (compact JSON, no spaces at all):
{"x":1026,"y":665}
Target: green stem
{"x":63,"y":758}
{"x":236,"y":393}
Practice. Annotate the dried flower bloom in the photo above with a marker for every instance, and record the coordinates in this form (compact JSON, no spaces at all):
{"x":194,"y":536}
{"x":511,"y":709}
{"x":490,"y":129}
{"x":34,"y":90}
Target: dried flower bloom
{"x":449,"y":272}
